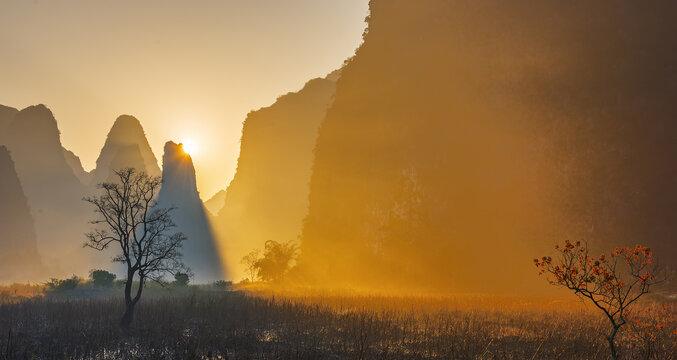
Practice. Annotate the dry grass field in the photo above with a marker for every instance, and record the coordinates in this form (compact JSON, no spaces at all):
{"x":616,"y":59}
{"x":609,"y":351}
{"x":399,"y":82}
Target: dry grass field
{"x":199,"y":323}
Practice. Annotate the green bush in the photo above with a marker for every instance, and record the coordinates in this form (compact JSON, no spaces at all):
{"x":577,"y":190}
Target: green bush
{"x":102,"y":278}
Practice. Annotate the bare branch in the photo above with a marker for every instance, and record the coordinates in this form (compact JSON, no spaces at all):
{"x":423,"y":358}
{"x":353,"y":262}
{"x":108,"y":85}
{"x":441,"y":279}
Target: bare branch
{"x":127,"y":215}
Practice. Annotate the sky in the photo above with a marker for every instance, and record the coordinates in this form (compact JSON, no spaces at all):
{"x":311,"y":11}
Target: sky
{"x":190,"y":71}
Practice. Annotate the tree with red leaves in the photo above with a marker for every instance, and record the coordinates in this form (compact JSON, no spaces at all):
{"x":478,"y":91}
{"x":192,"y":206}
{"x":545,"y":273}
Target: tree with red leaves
{"x":611,"y":282}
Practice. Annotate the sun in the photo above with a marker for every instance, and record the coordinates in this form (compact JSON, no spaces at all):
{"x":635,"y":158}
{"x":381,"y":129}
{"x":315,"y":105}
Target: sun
{"x":190,"y":147}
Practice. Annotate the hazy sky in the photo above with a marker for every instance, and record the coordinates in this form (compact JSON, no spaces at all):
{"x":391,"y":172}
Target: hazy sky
{"x":189,"y":70}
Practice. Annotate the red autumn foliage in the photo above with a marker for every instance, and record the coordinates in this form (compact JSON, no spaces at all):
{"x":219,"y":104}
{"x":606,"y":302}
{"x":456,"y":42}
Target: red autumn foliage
{"x":612,"y":282}
{"x":649,"y":328}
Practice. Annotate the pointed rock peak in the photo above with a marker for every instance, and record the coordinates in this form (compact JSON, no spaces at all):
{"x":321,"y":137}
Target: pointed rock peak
{"x":35,"y":124}
{"x":33,"y":127}
{"x":126,"y":128}
{"x":178,"y":172}
{"x":179,"y":190}
{"x":37,"y":111}
{"x":33,"y":138}
{"x":39,"y":108}
{"x":126,"y":131}
{"x":175,"y":151}
{"x":7,"y":111}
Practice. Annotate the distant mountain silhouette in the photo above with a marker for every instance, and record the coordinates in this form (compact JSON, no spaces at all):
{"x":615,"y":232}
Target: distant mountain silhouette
{"x":19,"y":258}
{"x":467,"y":137}
{"x":126,"y":156}
{"x":74,"y":162}
{"x":126,"y":146}
{"x":268,"y":196}
{"x":216,"y":202}
{"x":179,"y":189}
{"x":53,"y":191}
{"x":6,"y":115}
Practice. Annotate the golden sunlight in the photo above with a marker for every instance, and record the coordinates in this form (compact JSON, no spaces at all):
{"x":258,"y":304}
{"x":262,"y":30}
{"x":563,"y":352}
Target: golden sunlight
{"x":190,"y":147}
{"x":311,"y":179}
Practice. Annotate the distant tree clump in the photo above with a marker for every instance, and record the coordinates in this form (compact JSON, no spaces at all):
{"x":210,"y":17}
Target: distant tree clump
{"x":276,"y":261}
{"x":129,"y":219}
{"x":249,"y":261}
{"x":181,"y":279}
{"x":222,"y":284}
{"x":612,"y":282}
{"x":58,"y":285}
{"x":102,"y":278}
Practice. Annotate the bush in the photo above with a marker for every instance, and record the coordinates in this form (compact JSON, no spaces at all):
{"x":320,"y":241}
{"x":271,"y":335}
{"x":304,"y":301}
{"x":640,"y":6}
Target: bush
{"x":222,"y":284}
{"x":102,"y":278}
{"x":277,"y":260}
{"x":181,"y":279}
{"x":63,"y":284}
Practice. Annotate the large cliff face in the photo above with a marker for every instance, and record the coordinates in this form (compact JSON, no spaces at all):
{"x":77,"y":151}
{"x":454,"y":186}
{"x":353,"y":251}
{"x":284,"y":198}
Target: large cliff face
{"x":268,"y":197}
{"x":126,"y":146}
{"x":179,"y":190}
{"x":19,"y":258}
{"x":53,"y":191}
{"x":467,"y":137}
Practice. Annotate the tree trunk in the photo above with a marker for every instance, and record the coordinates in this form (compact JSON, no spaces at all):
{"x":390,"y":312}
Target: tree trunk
{"x":127,"y":318}
{"x":612,"y":346}
{"x":130,"y":302}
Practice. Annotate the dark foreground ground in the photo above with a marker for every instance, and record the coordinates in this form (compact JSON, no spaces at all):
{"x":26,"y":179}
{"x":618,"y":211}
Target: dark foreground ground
{"x":197,"y":324}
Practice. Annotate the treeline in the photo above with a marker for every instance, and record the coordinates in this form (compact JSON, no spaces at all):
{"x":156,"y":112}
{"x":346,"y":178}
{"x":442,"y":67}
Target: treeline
{"x":100,"y":282}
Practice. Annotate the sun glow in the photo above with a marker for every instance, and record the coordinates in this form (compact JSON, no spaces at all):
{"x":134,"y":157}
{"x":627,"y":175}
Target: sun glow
{"x":190,"y":147}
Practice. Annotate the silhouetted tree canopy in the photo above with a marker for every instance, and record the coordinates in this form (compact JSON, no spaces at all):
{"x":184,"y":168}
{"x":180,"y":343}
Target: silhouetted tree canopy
{"x":181,"y":279}
{"x":58,"y":285}
{"x":102,"y":278}
{"x":276,"y":261}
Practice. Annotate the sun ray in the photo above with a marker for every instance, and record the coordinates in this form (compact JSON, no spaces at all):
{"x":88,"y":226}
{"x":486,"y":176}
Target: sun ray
{"x":190,"y":147}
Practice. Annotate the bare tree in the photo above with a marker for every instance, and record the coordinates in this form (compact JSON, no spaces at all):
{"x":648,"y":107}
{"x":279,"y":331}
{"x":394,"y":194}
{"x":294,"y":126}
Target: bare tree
{"x":128,"y":217}
{"x":249,"y":261}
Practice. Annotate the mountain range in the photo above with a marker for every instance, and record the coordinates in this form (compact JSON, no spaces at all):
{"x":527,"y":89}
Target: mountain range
{"x":42,"y":232}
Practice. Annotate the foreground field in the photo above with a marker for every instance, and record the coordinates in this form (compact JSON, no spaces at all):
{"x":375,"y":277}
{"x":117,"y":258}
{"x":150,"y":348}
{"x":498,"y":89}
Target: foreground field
{"x":199,"y":324}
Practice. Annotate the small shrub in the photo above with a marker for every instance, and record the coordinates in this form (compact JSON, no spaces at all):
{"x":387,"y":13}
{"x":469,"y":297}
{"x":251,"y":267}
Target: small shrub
{"x":222,"y":284}
{"x":59,"y":285}
{"x":102,"y":278}
{"x":181,"y":279}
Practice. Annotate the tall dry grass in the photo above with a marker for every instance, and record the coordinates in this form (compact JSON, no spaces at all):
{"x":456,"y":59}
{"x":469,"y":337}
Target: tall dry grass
{"x":199,"y":324}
